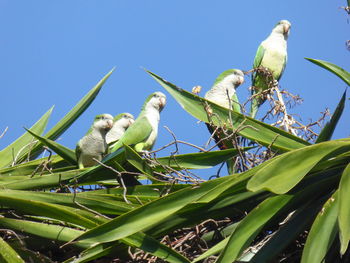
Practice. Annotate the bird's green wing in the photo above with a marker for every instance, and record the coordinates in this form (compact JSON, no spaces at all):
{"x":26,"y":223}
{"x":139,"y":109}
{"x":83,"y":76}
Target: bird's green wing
{"x":77,"y":154}
{"x":259,"y":56}
{"x":136,"y":133}
{"x":257,"y":61}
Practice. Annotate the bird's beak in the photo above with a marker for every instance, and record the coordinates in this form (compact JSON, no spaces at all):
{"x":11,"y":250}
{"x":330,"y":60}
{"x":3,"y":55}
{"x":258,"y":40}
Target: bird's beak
{"x":131,"y":121}
{"x":240,"y":80}
{"x":162,"y":102}
{"x":286,"y":28}
{"x":109,"y":124}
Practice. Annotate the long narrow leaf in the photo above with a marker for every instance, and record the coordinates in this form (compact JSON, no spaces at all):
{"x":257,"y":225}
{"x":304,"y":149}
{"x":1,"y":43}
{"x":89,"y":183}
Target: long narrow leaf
{"x":213,"y":250}
{"x":322,"y":232}
{"x":29,"y":168}
{"x":288,"y":232}
{"x":49,"y":231}
{"x":77,"y":110}
{"x":328,"y":129}
{"x":248,"y":127}
{"x":340,"y":72}
{"x":344,"y":210}
{"x":8,"y":254}
{"x":200,"y":160}
{"x":24,"y":144}
{"x":149,"y":214}
{"x":283,"y":173}
{"x":58,"y":212}
{"x":250,"y":226}
{"x":66,"y":153}
{"x":71,"y":116}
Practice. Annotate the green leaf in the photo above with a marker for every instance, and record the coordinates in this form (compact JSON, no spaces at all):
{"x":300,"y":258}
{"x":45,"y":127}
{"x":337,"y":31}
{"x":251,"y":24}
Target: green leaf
{"x":44,"y":230}
{"x":250,"y":128}
{"x":59,"y":212}
{"x":340,"y":72}
{"x":22,"y":146}
{"x":89,"y":254}
{"x":213,"y":250}
{"x":72,"y":115}
{"x":344,"y":209}
{"x":282,"y":173}
{"x":109,"y":204}
{"x":29,"y":168}
{"x":149,"y":214}
{"x":250,"y":226}
{"x":288,"y":232}
{"x":328,"y":129}
{"x":8,"y":254}
{"x":200,"y":160}
{"x":77,"y":110}
{"x":154,"y":247}
{"x":140,"y":164}
{"x":66,"y":153}
{"x":322,"y":232}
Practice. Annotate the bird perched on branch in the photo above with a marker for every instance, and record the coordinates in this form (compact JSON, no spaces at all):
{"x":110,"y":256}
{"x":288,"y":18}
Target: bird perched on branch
{"x":93,"y":145}
{"x":121,"y":123}
{"x":224,"y":94}
{"x":269,"y":63}
{"x":142,"y":134}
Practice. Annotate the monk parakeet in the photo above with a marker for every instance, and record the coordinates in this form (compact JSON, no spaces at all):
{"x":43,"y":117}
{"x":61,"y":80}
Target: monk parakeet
{"x":93,"y":145}
{"x":121,"y":122}
{"x":224,"y":89}
{"x":272,"y":55}
{"x":143,"y":133}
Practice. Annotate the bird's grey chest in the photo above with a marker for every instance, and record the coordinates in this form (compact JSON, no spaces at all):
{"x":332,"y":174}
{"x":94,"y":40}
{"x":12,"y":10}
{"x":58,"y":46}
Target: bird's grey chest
{"x":94,"y":144}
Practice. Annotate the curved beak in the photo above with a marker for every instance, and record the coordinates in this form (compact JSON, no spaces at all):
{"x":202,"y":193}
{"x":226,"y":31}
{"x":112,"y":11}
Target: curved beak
{"x":240,"y":80}
{"x":109,"y":124}
{"x":162,"y":102}
{"x":286,"y":28}
{"x":131,"y":121}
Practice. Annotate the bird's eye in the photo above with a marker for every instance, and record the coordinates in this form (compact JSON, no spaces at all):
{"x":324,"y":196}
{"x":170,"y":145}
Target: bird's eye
{"x":156,"y":95}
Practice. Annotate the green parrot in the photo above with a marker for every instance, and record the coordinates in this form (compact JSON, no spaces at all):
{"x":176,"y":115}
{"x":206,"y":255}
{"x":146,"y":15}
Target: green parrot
{"x":225,"y":87}
{"x":272,"y":55}
{"x":93,"y":145}
{"x":121,"y":123}
{"x":143,"y":133}
{"x":224,"y":90}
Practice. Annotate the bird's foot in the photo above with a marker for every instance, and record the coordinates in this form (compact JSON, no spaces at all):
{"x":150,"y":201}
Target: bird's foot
{"x":145,"y":154}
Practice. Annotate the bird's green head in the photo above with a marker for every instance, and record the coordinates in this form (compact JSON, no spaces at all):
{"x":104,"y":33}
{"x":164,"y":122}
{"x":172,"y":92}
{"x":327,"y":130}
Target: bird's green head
{"x":124,"y":120}
{"x":124,"y":115}
{"x":282,"y":27}
{"x":156,"y":100}
{"x":103,"y":122}
{"x":236,"y":75}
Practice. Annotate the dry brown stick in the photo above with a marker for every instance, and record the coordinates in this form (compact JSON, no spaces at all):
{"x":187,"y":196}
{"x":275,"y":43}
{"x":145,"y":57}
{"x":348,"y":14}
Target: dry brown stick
{"x":4,"y":132}
{"x":120,"y":179}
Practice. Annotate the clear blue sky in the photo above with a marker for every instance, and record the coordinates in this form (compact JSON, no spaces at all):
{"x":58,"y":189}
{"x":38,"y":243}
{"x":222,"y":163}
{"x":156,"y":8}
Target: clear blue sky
{"x":53,"y":52}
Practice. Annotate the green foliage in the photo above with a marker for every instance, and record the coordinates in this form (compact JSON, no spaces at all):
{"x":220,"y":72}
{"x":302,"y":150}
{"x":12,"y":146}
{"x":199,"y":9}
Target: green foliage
{"x":101,"y":211}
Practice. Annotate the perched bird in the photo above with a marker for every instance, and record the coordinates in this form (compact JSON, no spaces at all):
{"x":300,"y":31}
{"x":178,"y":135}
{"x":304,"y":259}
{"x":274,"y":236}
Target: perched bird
{"x":93,"y":145}
{"x":121,"y":122}
{"x":224,"y":89}
{"x":271,"y":55}
{"x":224,"y":94}
{"x":143,"y":133}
